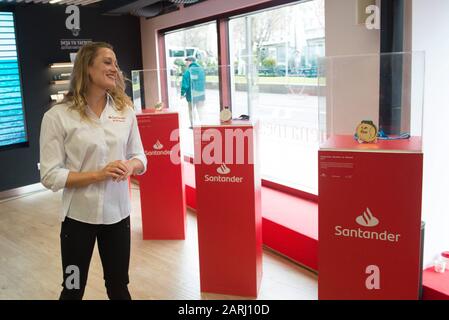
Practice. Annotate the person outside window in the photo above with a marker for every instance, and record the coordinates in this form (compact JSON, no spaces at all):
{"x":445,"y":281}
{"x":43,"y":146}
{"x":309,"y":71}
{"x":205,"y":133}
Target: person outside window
{"x":193,"y":87}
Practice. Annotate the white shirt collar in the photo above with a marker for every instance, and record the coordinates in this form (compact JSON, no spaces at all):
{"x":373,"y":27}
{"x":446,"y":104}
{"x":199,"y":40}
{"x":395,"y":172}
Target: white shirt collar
{"x":109,"y":104}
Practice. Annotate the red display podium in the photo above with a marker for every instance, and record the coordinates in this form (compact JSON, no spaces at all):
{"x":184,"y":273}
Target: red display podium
{"x":435,"y":284}
{"x":369,"y":219}
{"x":162,"y":191}
{"x":228,"y":209}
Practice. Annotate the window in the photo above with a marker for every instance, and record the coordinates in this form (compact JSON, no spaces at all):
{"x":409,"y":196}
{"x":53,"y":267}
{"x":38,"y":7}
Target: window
{"x":271,"y":75}
{"x":12,"y":121}
{"x":199,"y":42}
{"x":274,"y":53}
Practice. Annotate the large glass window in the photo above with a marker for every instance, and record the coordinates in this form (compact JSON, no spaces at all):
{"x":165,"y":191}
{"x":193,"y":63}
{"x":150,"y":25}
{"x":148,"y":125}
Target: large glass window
{"x":274,"y":56}
{"x":12,"y":121}
{"x":198,"y":44}
{"x":272,"y":65}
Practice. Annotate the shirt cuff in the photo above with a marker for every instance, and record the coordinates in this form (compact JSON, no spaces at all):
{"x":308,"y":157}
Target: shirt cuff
{"x":142,"y":159}
{"x":60,"y":180}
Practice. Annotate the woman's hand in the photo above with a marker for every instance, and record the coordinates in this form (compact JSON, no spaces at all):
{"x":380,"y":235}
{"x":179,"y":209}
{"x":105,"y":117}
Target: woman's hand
{"x":129,"y":170}
{"x":117,"y":170}
{"x":134,"y":166}
{"x":120,"y":170}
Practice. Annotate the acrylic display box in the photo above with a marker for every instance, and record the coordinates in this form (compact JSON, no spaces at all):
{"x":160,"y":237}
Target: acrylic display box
{"x":370,"y":176}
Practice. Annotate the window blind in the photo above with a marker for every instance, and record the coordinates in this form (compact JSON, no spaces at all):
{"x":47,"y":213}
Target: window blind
{"x":12,"y":119}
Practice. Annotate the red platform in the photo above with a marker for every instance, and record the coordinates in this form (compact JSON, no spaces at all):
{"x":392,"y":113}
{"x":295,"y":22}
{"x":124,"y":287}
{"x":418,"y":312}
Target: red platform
{"x":435,"y":285}
{"x":369,"y":220}
{"x":348,"y":143}
{"x":228,"y":214}
{"x":161,"y":187}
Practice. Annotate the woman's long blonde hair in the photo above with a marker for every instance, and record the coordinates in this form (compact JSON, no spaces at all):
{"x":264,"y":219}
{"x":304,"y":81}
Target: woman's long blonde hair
{"x":80,"y":81}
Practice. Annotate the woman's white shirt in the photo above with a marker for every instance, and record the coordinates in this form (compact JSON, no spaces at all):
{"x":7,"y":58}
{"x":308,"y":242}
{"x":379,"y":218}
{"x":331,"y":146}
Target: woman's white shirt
{"x":69,"y":143}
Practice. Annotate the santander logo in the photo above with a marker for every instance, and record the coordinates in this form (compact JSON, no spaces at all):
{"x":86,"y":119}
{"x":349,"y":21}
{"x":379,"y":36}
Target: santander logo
{"x":366,"y":219}
{"x":157,"y":150}
{"x":158,"y":145}
{"x":223,"y":176}
{"x":223,"y":169}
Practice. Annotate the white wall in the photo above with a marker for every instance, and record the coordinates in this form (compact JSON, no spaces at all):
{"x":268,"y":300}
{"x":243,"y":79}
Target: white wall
{"x":430,"y":30}
{"x":343,"y":35}
{"x":354,"y":81}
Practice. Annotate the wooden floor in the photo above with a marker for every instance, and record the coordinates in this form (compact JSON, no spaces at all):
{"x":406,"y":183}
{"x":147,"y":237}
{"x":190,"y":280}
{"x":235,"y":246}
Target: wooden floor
{"x":30,"y":266}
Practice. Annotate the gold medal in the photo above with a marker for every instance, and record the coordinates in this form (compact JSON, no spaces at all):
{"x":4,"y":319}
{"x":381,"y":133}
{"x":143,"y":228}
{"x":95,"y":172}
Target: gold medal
{"x":366,"y":132}
{"x":225,"y":115}
{"x":159,"y":106}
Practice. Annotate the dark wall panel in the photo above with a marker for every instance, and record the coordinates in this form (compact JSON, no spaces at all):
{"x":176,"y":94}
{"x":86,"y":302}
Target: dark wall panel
{"x":39,"y":30}
{"x":391,"y":71}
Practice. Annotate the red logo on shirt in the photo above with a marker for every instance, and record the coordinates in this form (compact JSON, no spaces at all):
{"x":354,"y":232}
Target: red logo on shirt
{"x":117,"y":118}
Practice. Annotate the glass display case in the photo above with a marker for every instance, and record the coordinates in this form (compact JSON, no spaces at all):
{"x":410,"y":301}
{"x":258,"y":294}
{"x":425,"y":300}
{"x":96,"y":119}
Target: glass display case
{"x":371,"y":102}
{"x":146,"y":90}
{"x":173,"y":89}
{"x":160,"y":91}
{"x":214,"y":102}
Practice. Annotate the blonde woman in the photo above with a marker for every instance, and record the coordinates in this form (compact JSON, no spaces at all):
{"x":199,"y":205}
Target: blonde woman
{"x":89,"y":146}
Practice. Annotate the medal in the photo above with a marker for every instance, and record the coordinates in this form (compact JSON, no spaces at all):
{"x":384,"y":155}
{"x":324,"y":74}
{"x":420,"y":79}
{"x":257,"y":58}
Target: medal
{"x":159,"y":106}
{"x":225,"y":115}
{"x":366,"y":132}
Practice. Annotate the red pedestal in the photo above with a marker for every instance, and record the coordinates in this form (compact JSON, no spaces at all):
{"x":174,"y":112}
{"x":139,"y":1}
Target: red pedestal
{"x":228,"y":210}
{"x":369,"y":220}
{"x":162,"y":192}
{"x":435,"y":284}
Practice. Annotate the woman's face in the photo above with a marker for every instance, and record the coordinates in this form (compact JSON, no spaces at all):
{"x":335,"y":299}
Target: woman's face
{"x":104,"y":70}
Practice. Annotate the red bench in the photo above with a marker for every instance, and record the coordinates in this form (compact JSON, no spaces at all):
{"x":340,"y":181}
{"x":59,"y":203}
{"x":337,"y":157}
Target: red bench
{"x":289,"y":223}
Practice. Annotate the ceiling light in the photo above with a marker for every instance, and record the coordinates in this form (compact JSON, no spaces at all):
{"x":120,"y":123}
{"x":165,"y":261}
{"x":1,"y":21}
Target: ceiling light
{"x":61,"y":65}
